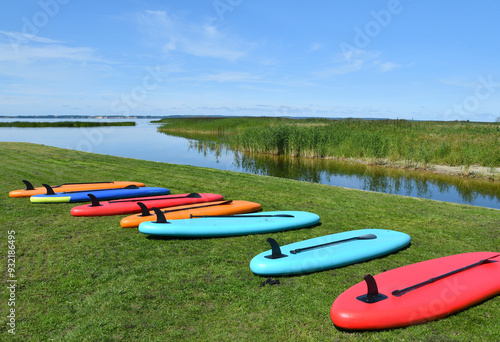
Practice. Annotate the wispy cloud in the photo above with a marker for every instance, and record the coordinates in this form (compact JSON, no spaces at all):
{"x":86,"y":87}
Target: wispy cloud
{"x":231,"y":77}
{"x":359,"y":60}
{"x":315,"y":47}
{"x":18,"y":37}
{"x":342,"y":66}
{"x":176,"y":34}
{"x":459,"y":82}
{"x":388,"y":66}
{"x":26,"y":53}
{"x":26,"y":48}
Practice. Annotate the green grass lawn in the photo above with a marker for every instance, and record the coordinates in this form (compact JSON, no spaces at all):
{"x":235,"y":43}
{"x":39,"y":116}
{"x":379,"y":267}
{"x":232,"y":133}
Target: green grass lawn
{"x":87,"y":279}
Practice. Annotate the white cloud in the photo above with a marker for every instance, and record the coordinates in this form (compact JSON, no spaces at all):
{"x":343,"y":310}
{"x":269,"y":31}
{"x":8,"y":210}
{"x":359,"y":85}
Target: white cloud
{"x":459,"y":82}
{"x":174,"y":34}
{"x":230,"y":77}
{"x":27,"y":48}
{"x":25,"y":53}
{"x":18,"y":37}
{"x":388,"y":66}
{"x":342,"y":66}
{"x":315,"y":46}
{"x":359,"y":60}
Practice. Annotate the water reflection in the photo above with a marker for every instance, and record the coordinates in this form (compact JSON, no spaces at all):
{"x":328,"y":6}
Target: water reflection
{"x":361,"y":176}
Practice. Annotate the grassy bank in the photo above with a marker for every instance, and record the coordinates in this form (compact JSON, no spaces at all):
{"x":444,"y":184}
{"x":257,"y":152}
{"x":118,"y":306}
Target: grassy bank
{"x":87,"y":279}
{"x":396,"y":141}
{"x":65,"y":124}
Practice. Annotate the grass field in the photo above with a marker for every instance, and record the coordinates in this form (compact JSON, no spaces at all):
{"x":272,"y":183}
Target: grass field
{"x":401,"y":141}
{"x":87,"y":279}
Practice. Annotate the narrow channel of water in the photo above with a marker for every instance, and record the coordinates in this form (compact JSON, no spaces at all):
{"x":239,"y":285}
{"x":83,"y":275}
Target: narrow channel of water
{"x":145,"y":142}
{"x":363,"y":177}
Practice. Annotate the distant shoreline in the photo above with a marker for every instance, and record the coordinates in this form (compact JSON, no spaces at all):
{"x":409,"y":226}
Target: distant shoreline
{"x":31,"y":124}
{"x":81,"y":117}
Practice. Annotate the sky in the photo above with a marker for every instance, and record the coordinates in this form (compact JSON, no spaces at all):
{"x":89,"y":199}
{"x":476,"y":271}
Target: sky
{"x":406,"y":59}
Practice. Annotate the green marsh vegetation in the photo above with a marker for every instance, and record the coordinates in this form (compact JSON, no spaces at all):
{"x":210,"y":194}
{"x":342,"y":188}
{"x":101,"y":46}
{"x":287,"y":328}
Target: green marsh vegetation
{"x":65,"y":124}
{"x":88,"y":279}
{"x":399,"y":142}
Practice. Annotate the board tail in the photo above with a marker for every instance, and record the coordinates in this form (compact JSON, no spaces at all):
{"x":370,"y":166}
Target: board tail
{"x":372,"y":295}
{"x":29,"y":186}
{"x":276,"y":250}
{"x":95,"y":201}
{"x":160,"y":217}
{"x":144,"y":210}
{"x":50,"y":191}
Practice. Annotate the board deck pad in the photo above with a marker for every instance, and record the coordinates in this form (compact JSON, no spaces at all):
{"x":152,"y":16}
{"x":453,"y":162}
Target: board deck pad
{"x":30,"y":190}
{"x":130,"y":206}
{"x":254,"y":223}
{"x":100,"y":194}
{"x":185,"y":211}
{"x":329,"y":251}
{"x":419,"y":293}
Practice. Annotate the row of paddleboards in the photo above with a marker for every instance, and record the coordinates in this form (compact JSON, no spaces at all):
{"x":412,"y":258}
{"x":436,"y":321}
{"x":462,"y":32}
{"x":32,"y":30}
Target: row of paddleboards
{"x":408,"y":295}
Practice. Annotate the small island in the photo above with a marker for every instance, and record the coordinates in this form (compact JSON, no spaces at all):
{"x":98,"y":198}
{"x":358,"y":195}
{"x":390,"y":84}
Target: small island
{"x":25,"y":124}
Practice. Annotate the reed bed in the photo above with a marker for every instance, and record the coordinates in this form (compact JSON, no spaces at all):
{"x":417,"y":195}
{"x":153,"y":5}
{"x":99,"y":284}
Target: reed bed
{"x":23,"y":124}
{"x":409,"y":142}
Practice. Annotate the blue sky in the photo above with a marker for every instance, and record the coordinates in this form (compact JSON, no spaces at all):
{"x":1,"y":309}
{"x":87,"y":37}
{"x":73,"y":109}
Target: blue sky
{"x":423,"y":60}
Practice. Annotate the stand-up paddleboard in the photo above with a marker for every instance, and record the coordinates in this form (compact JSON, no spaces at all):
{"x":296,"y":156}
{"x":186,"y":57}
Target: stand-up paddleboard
{"x":418,"y":293}
{"x":327,"y":251}
{"x":31,"y":190}
{"x":130,"y":206}
{"x":102,"y":194}
{"x":200,"y":209}
{"x":255,"y":223}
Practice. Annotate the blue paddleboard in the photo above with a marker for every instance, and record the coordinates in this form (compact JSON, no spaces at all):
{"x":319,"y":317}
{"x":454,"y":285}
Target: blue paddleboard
{"x":100,"y":195}
{"x":326,"y":252}
{"x":254,"y":223}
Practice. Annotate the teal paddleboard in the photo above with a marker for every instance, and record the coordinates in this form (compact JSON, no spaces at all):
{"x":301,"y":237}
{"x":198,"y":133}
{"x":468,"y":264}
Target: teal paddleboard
{"x":326,"y":252}
{"x":244,"y":224}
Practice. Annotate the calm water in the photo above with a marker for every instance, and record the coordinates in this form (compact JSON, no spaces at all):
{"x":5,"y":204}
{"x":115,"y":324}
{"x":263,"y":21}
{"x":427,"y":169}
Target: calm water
{"x":144,"y":142}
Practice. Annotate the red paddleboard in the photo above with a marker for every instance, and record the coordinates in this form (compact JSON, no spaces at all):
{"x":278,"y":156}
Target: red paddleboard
{"x":418,"y":293}
{"x":130,"y":206}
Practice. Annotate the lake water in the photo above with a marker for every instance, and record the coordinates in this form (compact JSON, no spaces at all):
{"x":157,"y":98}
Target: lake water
{"x":144,"y":142}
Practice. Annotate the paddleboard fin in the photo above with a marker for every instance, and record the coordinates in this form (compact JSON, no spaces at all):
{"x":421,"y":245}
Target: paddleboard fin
{"x":144,"y":210}
{"x":50,"y":191}
{"x":276,"y":250}
{"x":29,"y":186}
{"x":193,"y":195}
{"x":95,"y":201}
{"x":160,"y":217}
{"x":372,"y":295}
{"x":131,"y":187}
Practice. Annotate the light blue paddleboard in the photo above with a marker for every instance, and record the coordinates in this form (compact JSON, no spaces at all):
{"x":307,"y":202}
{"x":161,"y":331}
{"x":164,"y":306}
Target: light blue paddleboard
{"x":101,"y":194}
{"x":326,"y":252}
{"x":254,"y":223}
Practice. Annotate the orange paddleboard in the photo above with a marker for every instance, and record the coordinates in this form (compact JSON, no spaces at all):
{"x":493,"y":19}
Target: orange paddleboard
{"x":30,"y":190}
{"x":200,"y":209}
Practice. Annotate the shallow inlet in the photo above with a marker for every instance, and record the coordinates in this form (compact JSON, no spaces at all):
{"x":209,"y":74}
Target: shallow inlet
{"x":360,"y":176}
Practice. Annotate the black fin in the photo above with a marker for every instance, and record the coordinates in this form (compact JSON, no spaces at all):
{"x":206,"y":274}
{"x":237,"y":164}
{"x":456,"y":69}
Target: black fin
{"x":131,"y":187}
{"x":29,"y":186}
{"x":144,"y":209}
{"x":276,"y":250}
{"x":372,"y":295}
{"x":50,"y":191}
{"x":193,"y":195}
{"x":95,"y":201}
{"x":160,"y":217}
